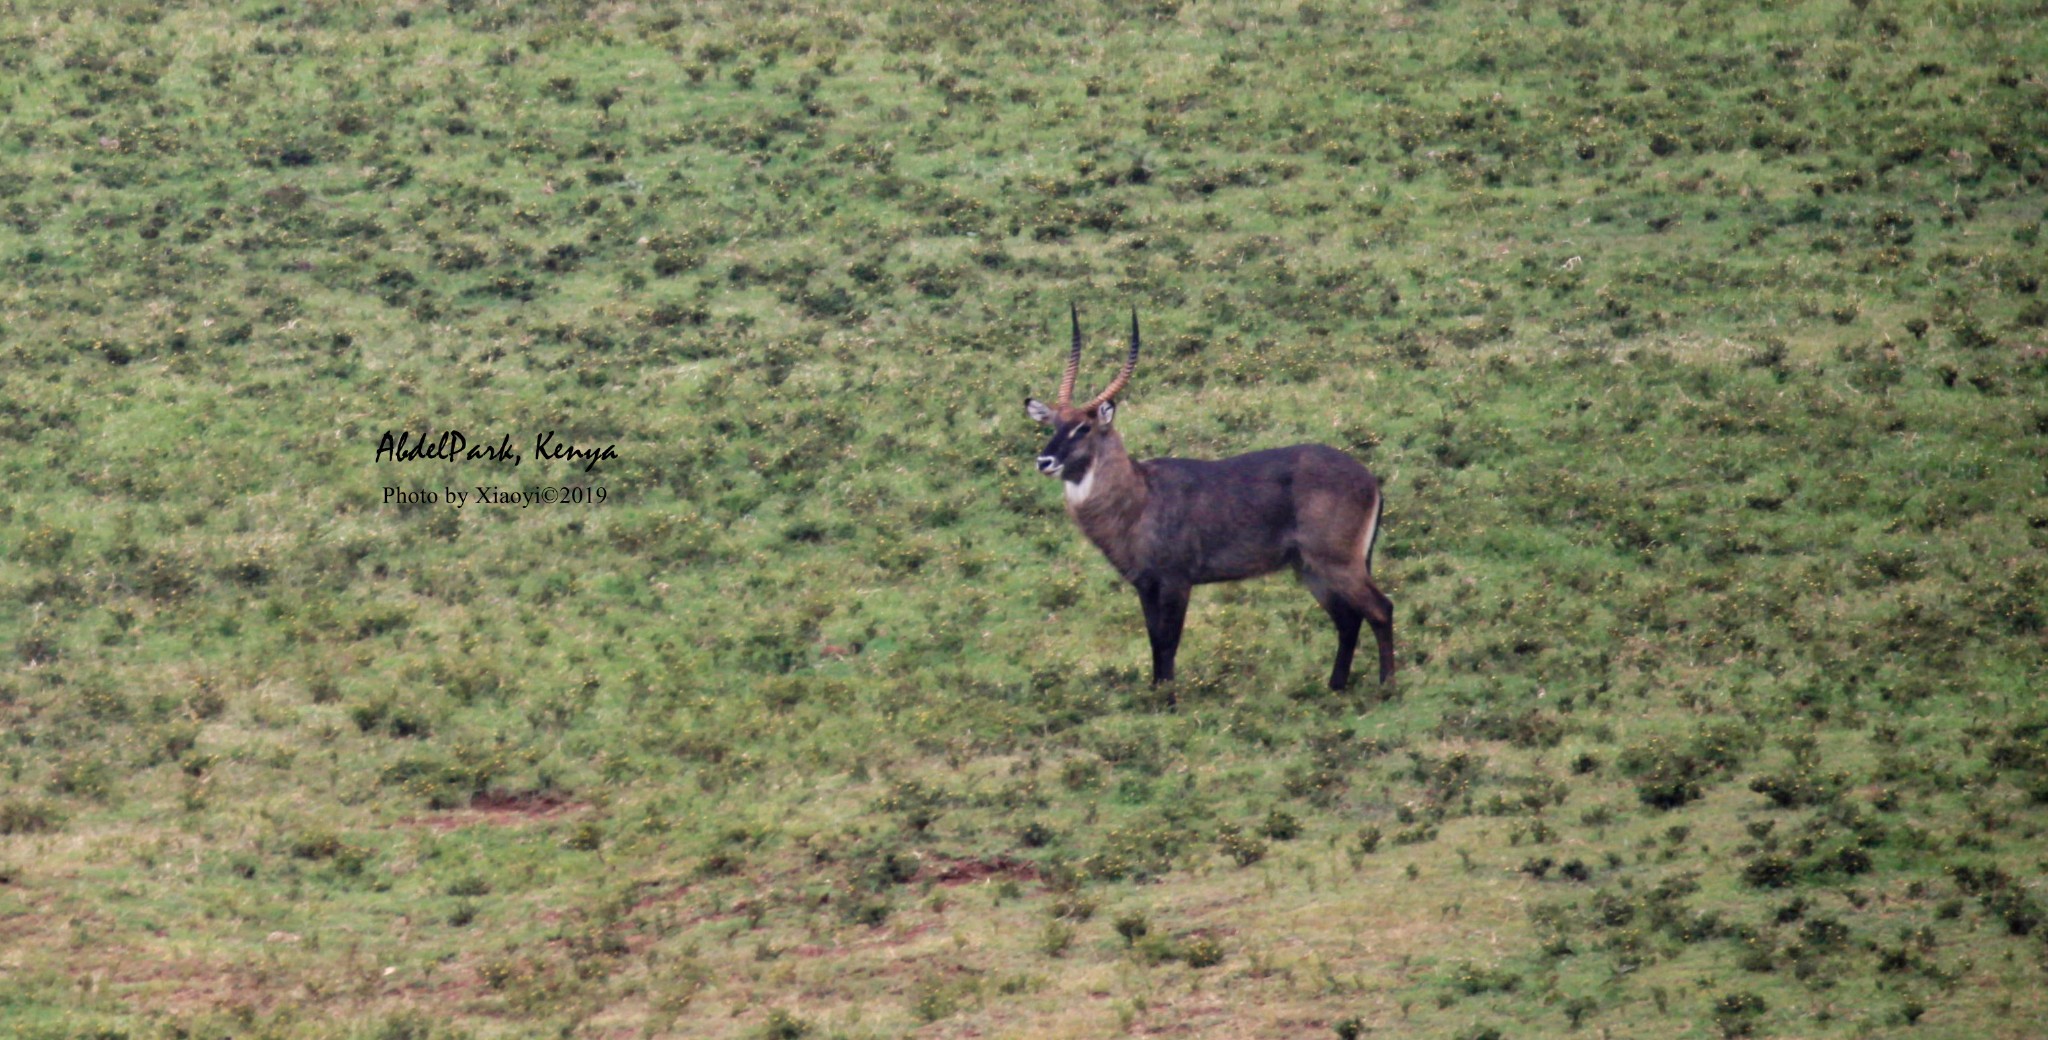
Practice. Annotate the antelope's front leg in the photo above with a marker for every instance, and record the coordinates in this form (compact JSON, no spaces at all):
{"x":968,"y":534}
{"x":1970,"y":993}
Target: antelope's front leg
{"x":1166,"y":609}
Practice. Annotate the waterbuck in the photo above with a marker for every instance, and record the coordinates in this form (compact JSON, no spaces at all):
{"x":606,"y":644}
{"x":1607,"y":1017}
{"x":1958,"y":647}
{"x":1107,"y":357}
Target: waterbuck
{"x":1168,"y":525}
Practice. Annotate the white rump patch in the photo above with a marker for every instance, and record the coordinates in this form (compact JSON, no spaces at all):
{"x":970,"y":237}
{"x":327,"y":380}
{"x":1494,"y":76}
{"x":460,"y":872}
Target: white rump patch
{"x":1372,"y":531}
{"x":1077,"y":493}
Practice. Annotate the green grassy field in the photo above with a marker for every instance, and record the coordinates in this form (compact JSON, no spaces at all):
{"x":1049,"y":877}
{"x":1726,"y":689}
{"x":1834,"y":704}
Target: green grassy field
{"x":1699,"y":344}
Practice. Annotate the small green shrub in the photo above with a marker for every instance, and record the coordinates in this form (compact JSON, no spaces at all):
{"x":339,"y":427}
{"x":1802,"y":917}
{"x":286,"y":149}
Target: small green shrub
{"x":1737,"y":1013}
{"x":468,"y":886}
{"x":1133,"y":927}
{"x":1055,"y":939}
{"x":934,"y":998}
{"x":84,"y":775}
{"x":1472,"y":980}
{"x":1281,"y":825}
{"x":23,"y":816}
{"x":1242,"y":848}
{"x":1577,"y":1008}
{"x":325,"y":846}
{"x":587,"y":836}
{"x":1073,"y":908}
{"x":783,"y":1024}
{"x":1202,"y":952}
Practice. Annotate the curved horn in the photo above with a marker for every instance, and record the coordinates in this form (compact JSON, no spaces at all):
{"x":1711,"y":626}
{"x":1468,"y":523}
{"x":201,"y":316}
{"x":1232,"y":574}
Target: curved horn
{"x":1073,"y":362}
{"x":1123,"y":377}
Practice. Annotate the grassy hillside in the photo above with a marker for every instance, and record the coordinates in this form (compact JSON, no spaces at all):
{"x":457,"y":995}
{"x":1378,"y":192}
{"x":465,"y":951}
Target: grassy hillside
{"x":1700,"y":346}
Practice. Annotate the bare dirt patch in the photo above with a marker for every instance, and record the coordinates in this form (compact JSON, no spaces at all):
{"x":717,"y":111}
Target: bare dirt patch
{"x":502,"y":809}
{"x":968,"y":871}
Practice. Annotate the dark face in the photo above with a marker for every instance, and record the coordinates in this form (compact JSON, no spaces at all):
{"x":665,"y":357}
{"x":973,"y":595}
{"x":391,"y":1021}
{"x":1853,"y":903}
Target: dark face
{"x":1074,"y":436}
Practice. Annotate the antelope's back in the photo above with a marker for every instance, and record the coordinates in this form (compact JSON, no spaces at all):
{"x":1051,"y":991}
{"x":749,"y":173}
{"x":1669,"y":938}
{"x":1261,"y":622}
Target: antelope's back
{"x":1279,"y":473}
{"x":1255,"y":513}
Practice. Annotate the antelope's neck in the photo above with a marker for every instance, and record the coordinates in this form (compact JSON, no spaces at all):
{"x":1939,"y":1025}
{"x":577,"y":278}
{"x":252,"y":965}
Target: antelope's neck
{"x":1108,"y":499}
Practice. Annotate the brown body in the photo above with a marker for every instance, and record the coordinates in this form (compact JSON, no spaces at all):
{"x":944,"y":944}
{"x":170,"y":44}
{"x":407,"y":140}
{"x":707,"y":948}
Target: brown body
{"x":1168,"y":525}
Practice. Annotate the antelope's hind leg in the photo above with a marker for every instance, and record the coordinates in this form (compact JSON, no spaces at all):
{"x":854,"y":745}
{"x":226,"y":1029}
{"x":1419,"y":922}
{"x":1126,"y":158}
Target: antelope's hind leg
{"x":1346,"y":618}
{"x":1350,"y":598}
{"x":1379,"y":613}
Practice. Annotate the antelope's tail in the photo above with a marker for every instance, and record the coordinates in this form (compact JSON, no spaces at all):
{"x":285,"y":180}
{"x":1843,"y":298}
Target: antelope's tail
{"x":1372,"y":526}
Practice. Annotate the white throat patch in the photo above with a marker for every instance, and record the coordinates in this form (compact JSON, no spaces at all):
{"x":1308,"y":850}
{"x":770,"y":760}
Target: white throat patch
{"x":1077,"y":492}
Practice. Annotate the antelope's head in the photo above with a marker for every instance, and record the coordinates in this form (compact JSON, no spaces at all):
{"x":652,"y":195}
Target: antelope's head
{"x":1077,"y":430}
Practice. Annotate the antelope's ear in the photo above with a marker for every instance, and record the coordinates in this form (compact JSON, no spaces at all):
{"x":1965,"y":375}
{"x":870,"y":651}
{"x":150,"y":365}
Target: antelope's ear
{"x":1106,"y":413}
{"x":1038,"y":411}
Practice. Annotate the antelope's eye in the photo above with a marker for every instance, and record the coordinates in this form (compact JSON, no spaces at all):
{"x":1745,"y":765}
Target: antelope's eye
{"x":1082,"y":430}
